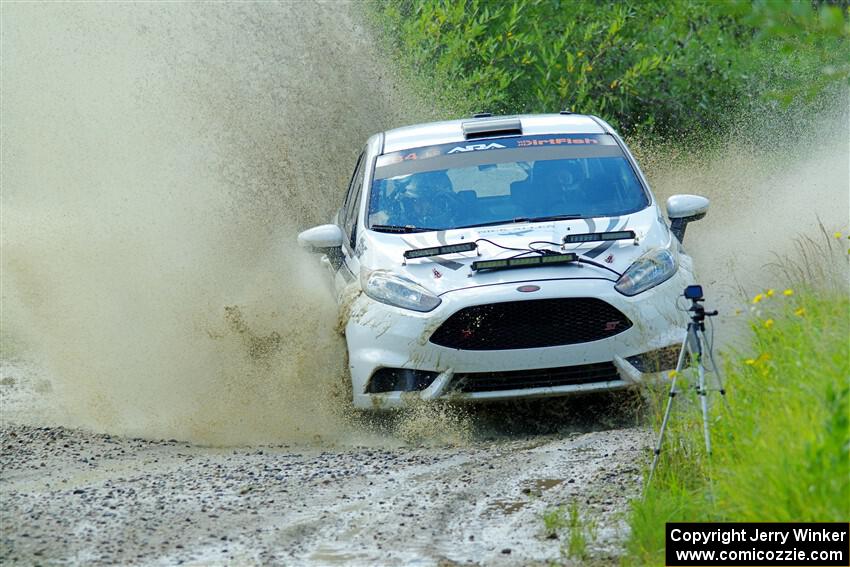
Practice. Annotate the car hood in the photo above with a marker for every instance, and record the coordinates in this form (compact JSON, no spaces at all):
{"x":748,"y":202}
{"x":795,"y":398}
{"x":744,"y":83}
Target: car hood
{"x":443,"y":274}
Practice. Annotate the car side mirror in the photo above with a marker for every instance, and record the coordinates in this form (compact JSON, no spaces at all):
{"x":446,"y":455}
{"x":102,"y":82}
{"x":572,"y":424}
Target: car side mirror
{"x":321,"y":238}
{"x":684,"y":209}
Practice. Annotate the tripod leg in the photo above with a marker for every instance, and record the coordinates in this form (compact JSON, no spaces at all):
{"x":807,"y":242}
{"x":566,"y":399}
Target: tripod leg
{"x":661,"y":431}
{"x":681,"y":362}
{"x":670,"y":397}
{"x":703,"y":394}
{"x":702,"y":391}
{"x":719,"y":378}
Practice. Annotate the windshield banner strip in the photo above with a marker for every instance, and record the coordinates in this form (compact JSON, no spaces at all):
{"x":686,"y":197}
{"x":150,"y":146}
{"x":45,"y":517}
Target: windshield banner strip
{"x":464,"y":147}
{"x":489,"y":145}
{"x":507,"y":155}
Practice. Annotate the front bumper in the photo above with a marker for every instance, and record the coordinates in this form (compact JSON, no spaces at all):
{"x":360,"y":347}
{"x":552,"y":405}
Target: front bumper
{"x":381,"y":336}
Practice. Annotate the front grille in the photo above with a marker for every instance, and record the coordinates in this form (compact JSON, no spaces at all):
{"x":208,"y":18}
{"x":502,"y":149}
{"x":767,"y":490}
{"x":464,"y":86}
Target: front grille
{"x":531,"y":324}
{"x":540,"y":378}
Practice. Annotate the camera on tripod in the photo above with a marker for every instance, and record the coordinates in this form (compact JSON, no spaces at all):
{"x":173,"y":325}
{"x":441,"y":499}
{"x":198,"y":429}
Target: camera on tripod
{"x":694,"y":293}
{"x":695,"y":347}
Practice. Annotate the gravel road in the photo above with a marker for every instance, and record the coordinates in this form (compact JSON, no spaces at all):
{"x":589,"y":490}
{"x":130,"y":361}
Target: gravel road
{"x":69,"y":496}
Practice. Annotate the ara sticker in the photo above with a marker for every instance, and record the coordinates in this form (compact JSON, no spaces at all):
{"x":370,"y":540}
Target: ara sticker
{"x":475,"y":147}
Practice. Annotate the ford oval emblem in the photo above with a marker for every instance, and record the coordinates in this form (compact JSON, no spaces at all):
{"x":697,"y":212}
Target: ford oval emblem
{"x":528,"y":288}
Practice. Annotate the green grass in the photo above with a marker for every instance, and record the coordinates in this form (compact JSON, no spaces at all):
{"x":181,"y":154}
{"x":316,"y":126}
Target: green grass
{"x":574,"y":529}
{"x":780,"y":453}
{"x":554,"y":521}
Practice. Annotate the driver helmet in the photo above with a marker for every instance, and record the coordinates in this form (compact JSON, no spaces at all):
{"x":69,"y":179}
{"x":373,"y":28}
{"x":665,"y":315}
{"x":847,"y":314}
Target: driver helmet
{"x":558,"y":174}
{"x":424,"y":197}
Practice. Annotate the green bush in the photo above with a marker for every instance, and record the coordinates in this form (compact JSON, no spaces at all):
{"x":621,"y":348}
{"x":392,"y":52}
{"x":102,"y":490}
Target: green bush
{"x":649,"y":65}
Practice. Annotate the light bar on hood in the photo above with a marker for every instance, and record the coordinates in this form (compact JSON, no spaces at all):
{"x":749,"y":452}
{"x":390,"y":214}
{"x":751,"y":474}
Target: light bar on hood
{"x":529,"y":262}
{"x":599,"y":236}
{"x":440,"y":250}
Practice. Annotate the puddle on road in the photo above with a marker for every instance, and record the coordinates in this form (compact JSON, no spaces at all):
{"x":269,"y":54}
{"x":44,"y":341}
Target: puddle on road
{"x":507,"y":507}
{"x":327,"y":555}
{"x":541,"y":484}
{"x":533,"y":487}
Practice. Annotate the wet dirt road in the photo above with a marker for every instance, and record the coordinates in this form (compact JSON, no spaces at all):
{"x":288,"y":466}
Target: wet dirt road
{"x":75,"y":497}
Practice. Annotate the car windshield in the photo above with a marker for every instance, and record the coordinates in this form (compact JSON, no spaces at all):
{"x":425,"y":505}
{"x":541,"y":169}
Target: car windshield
{"x":503,"y":181}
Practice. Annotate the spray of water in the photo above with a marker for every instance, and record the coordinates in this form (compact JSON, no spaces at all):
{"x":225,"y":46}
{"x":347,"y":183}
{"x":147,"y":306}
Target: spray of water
{"x":770,"y":187}
{"x":157,"y":161}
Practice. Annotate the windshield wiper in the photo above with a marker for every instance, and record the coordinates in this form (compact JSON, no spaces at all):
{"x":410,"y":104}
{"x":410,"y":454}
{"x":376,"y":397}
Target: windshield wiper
{"x":554,"y":218}
{"x":524,"y":219}
{"x":401,"y":229}
{"x":494,"y":223}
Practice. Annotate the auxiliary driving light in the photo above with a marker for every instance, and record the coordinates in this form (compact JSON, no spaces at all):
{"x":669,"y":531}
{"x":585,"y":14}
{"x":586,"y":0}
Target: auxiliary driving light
{"x":599,"y":236}
{"x":509,"y":263}
{"x":440,"y":250}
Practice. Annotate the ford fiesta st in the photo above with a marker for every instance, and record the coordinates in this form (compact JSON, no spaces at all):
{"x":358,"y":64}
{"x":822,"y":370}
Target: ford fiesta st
{"x":505,"y":257}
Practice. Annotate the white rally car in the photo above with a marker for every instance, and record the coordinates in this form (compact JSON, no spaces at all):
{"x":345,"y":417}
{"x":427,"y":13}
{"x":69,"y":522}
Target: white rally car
{"x":505,"y":257}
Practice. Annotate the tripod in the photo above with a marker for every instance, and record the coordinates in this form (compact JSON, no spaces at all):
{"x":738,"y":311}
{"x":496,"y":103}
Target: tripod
{"x":695,"y":344}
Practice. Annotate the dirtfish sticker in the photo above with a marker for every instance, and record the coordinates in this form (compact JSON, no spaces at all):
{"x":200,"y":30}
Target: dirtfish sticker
{"x":555,"y":142}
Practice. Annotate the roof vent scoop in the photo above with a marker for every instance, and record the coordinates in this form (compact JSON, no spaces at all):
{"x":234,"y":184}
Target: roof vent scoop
{"x":491,"y":128}
{"x":482,"y":115}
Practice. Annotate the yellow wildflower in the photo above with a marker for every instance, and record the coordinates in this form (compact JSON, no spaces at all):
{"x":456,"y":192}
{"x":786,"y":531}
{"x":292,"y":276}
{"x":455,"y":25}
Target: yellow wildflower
{"x":800,"y":312}
{"x":758,"y":298}
{"x":837,"y":234}
{"x":759,"y":361}
{"x":769,"y":293}
{"x":788,"y":292}
{"x":672,"y":374}
{"x":768,"y":324}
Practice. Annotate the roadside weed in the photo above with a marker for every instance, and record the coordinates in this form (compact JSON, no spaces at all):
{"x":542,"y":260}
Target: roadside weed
{"x":575,"y":529}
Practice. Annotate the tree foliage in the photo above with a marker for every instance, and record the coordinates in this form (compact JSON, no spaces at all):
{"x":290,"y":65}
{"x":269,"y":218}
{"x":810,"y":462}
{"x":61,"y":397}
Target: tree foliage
{"x":643,"y":64}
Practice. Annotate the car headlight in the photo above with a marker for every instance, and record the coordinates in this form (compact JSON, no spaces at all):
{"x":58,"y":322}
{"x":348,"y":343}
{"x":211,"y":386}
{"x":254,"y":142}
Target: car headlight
{"x":392,"y":289}
{"x":651,"y":269}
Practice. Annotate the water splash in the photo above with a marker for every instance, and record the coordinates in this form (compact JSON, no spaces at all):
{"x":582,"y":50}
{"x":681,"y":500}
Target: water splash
{"x":157,"y":163}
